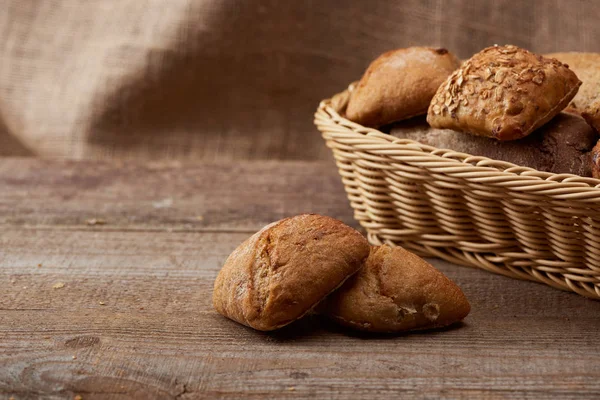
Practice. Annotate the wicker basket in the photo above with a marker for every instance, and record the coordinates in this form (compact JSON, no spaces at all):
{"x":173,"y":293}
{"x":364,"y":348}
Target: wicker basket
{"x":469,"y":210}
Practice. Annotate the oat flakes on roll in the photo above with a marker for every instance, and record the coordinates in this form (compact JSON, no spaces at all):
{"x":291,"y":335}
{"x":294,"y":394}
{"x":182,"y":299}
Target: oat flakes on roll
{"x":283,"y":271}
{"x":396,"y":291}
{"x":399,"y":84}
{"x":503,"y":92}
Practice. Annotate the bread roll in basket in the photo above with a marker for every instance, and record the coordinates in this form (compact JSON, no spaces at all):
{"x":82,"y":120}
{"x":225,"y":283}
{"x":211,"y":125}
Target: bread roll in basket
{"x":466,"y":209}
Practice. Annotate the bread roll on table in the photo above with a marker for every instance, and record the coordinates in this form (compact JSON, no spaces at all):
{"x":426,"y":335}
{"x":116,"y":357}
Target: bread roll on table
{"x":284,"y":270}
{"x":396,"y":291}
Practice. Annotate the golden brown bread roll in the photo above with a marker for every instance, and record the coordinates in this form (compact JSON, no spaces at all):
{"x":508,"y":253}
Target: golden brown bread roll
{"x":562,"y":146}
{"x":595,"y":161}
{"x":587,"y":68}
{"x":503,"y":92}
{"x":591,"y":114}
{"x":396,"y":291}
{"x":399,"y":84}
{"x":284,"y":270}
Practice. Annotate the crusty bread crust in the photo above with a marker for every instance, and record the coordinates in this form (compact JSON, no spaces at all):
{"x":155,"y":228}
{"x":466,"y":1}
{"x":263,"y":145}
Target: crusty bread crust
{"x":587,"y":68}
{"x":399,"y":84}
{"x":283,"y":271}
{"x":595,"y":161}
{"x":396,"y":291}
{"x":503,"y":92}
{"x":592,"y":114}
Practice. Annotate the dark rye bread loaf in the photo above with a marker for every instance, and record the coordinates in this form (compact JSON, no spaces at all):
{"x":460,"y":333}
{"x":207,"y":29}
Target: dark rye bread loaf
{"x":563,"y":145}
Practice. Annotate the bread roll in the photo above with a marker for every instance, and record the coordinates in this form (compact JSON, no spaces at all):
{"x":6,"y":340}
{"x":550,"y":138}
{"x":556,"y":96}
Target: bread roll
{"x":587,"y":68}
{"x":399,"y":84}
{"x":285,"y":269}
{"x":396,"y":291}
{"x":560,"y":146}
{"x":503,"y":92}
{"x":592,"y":114}
{"x":595,"y":161}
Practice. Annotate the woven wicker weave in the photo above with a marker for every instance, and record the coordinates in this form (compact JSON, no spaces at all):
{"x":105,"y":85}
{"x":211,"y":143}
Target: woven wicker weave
{"x":469,"y":210}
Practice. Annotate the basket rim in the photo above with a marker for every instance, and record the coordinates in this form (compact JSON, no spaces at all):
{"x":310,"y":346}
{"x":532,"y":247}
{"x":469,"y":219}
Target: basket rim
{"x":380,"y":172}
{"x":508,"y":174}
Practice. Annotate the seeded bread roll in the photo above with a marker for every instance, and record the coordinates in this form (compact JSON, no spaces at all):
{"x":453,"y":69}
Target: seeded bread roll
{"x":284,"y":270}
{"x":399,"y":84}
{"x":396,"y":291}
{"x":560,"y":146}
{"x":503,"y":92}
{"x":587,"y":68}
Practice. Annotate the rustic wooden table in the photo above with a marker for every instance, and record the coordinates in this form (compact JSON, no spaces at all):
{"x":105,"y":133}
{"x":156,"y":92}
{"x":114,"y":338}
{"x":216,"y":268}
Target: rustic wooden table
{"x":106,"y":274}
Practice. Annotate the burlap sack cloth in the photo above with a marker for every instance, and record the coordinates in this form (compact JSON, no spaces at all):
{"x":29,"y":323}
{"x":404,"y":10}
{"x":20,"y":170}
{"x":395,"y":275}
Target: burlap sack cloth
{"x":226,"y":79}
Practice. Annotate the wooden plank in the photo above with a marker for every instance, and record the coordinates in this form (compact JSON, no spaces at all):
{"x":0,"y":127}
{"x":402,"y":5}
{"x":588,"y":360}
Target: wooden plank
{"x":157,"y":336}
{"x":135,"y":310}
{"x":241,"y":196}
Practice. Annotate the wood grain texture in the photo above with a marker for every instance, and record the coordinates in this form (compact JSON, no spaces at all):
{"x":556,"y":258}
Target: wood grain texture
{"x":135,"y":310}
{"x":179,"y":196}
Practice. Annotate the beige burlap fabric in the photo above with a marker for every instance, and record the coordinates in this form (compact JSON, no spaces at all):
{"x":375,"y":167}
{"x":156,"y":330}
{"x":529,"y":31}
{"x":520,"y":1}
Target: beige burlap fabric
{"x":225,"y":79}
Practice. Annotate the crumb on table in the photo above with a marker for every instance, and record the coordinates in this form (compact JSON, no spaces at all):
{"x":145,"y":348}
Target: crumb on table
{"x":95,"y":221}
